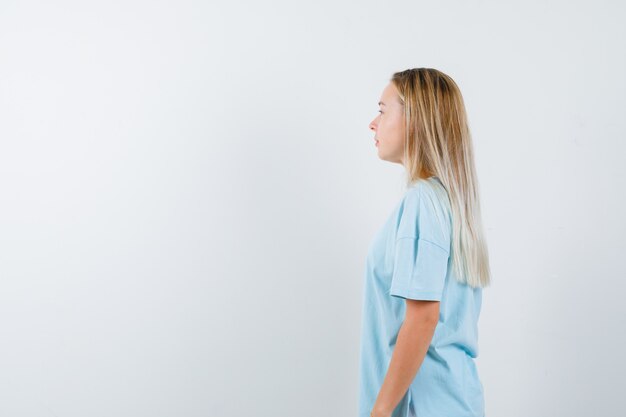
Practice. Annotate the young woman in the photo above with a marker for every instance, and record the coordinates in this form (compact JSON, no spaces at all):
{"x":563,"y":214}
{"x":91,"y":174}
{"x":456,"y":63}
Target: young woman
{"x":428,"y":263}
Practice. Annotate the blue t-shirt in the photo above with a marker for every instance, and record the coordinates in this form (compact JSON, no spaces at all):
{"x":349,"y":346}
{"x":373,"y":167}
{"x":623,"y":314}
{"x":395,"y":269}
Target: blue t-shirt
{"x":410,"y":257}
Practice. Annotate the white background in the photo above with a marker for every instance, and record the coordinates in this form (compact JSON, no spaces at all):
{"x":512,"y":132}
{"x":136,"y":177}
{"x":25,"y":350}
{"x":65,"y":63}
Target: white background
{"x":188,"y":190}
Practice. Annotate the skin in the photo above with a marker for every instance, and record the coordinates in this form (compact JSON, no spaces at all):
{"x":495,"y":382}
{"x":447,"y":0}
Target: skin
{"x":421,"y":316}
{"x":389,"y":126}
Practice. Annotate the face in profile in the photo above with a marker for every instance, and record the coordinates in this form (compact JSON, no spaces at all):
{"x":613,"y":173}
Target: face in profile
{"x":388,"y":126}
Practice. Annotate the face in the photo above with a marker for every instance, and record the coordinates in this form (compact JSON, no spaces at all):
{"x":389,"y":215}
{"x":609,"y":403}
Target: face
{"x":389,"y":126}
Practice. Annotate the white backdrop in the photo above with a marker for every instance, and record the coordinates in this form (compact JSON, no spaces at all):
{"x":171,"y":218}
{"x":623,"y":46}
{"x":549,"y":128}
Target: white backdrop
{"x":188,"y":190}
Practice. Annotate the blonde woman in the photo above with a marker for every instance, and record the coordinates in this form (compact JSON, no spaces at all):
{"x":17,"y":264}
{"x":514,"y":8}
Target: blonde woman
{"x":428,"y":263}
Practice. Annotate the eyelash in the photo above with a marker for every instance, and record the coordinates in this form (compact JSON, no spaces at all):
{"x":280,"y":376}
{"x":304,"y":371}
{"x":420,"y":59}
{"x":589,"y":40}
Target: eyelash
{"x":379,"y":111}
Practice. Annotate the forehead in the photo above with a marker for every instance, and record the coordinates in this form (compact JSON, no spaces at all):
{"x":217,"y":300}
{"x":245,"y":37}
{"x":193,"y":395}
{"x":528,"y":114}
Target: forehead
{"x":389,"y":95}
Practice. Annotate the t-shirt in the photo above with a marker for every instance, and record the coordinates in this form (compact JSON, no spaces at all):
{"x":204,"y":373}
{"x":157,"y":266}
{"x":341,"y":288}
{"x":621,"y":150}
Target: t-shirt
{"x":410,"y":257}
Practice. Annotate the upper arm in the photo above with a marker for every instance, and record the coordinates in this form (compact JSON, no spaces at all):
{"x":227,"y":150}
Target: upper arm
{"x":421,"y":252}
{"x":422,"y":310}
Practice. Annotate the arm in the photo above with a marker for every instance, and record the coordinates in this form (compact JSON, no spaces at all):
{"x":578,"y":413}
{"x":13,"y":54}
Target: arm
{"x":412,"y":344}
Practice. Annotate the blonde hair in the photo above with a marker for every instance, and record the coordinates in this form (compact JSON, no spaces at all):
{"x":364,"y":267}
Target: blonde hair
{"x":438,"y":143}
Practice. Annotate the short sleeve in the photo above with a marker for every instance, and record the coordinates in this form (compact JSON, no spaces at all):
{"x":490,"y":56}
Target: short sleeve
{"x":422,"y":247}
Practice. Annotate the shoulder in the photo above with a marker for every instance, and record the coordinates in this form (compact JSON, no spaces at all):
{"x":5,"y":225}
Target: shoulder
{"x":429,"y":191}
{"x":432,"y":204}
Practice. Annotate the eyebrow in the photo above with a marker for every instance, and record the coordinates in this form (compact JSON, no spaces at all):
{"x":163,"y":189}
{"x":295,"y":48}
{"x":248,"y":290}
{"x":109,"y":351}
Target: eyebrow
{"x":380,"y":102}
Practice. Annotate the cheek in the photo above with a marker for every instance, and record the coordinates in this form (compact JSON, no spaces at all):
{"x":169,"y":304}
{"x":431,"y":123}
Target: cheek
{"x":396,"y":131}
{"x":391,"y":130}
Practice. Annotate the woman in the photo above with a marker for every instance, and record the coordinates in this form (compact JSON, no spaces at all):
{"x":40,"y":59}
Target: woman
{"x":427,"y":265}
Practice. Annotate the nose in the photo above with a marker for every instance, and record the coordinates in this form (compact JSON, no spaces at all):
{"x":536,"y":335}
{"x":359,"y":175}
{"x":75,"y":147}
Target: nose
{"x":373,"y":126}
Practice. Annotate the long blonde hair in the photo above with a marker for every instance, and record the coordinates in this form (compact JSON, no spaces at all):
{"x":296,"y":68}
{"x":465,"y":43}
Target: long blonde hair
{"x":438,"y":143}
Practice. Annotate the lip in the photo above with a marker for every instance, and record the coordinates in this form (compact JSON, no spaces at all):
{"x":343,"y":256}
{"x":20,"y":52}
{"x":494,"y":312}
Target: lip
{"x":376,"y":143}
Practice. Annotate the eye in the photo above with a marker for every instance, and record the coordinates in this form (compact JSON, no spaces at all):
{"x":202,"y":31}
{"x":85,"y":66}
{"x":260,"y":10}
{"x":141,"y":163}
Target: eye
{"x":380,"y":111}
